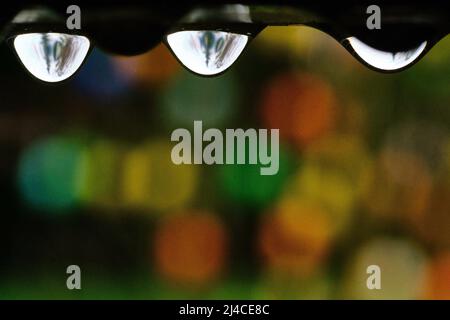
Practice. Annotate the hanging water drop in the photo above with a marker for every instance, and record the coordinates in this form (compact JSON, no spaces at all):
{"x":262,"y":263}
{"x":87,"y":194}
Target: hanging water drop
{"x":51,"y":57}
{"x":385,"y":60}
{"x":207,"y":52}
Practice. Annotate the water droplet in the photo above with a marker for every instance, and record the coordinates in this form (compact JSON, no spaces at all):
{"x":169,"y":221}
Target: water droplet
{"x":51,"y":57}
{"x":385,"y":60}
{"x":207,"y":52}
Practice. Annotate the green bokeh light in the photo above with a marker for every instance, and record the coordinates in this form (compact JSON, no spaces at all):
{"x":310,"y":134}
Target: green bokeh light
{"x":48,"y":173}
{"x":244,"y":183}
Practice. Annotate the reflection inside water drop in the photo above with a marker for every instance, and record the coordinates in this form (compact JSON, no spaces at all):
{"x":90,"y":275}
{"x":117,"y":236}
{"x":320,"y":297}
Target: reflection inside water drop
{"x":385,"y":60}
{"x":207,"y":52}
{"x":51,"y":57}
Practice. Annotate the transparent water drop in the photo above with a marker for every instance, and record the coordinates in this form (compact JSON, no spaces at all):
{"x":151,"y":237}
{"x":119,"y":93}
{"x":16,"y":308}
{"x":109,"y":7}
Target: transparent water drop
{"x":385,"y":60}
{"x":207,"y":52}
{"x":51,"y":57}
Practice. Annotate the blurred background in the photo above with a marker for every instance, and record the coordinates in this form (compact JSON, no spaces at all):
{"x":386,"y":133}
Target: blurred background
{"x":86,"y":178}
